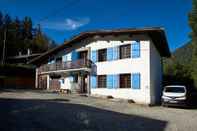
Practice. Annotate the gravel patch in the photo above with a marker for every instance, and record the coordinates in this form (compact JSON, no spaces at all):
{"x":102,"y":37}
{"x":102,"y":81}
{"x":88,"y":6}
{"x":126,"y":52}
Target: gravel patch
{"x":39,"y":110}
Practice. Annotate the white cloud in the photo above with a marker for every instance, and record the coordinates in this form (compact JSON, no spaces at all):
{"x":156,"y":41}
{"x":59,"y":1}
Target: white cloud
{"x":67,"y":24}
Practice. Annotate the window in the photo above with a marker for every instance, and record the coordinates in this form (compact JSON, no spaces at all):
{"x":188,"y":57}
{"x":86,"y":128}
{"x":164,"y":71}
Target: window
{"x":101,"y":81}
{"x":136,"y":81}
{"x":175,"y":89}
{"x":66,"y":57}
{"x":125,"y":81}
{"x":102,"y":55}
{"x":51,"y":60}
{"x":135,"y":50}
{"x":125,"y":51}
{"x":59,"y":59}
{"x":83,"y":55}
{"x":75,"y":78}
{"x":62,"y":81}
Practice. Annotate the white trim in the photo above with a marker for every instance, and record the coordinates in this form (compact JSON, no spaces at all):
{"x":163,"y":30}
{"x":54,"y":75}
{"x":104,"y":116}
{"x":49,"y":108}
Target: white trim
{"x":69,"y":70}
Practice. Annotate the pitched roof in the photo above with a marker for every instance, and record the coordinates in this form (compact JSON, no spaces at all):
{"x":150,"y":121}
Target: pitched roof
{"x":157,"y":35}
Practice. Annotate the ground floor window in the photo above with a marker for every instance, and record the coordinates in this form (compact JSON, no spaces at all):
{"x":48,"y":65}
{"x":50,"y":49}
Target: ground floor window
{"x":75,"y":78}
{"x":101,"y":81}
{"x":125,"y":81}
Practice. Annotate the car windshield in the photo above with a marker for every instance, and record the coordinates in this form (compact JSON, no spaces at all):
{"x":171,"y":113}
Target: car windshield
{"x":175,"y":89}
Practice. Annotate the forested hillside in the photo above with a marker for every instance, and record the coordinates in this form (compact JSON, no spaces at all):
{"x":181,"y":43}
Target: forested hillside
{"x":182,"y":66}
{"x":21,"y":34}
{"x":177,"y":69}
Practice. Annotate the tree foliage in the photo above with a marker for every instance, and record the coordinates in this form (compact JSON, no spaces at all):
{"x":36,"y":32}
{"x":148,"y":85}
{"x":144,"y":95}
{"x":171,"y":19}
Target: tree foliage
{"x":182,"y":67}
{"x":21,"y":35}
{"x":193,"y":25}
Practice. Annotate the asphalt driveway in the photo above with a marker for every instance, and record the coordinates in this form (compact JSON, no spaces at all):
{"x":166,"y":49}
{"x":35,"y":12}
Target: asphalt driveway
{"x":22,"y":110}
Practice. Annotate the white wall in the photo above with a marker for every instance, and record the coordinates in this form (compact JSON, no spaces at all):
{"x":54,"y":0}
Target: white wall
{"x":138,"y":65}
{"x":67,"y":83}
{"x":148,"y":65}
{"x":156,"y":74}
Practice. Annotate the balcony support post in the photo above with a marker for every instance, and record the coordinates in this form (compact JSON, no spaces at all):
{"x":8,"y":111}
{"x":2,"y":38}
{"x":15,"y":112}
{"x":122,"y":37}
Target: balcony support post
{"x":48,"y":81}
{"x":88,"y":85}
{"x":36,"y":78}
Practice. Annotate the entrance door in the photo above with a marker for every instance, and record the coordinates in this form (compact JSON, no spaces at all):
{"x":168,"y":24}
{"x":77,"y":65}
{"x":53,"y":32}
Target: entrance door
{"x":42,"y":82}
{"x":84,"y":84}
{"x":83,"y":54}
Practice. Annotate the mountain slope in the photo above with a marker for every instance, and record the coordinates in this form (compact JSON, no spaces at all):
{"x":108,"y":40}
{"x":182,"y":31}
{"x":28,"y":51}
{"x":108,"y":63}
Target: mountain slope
{"x":183,"y":54}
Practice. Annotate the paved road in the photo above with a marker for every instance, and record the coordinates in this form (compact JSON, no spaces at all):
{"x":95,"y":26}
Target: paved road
{"x":40,"y":111}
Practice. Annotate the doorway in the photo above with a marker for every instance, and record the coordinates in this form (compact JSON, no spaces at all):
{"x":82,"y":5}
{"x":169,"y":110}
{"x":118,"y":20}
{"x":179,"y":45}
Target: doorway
{"x":83,"y":55}
{"x":84,"y":84}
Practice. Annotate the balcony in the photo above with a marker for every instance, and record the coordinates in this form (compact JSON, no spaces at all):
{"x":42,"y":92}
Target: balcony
{"x":63,"y":66}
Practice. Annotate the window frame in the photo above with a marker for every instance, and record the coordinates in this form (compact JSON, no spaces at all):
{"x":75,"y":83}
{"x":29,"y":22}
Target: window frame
{"x":125,"y":51}
{"x":102,"y":55}
{"x":126,"y":84}
{"x":58,"y":60}
{"x":100,"y":82}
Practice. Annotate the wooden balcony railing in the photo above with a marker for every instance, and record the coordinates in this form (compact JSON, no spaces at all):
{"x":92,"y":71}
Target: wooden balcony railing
{"x":80,"y":63}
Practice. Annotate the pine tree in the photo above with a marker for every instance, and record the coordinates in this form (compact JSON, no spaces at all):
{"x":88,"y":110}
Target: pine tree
{"x":21,"y":35}
{"x":40,"y":41}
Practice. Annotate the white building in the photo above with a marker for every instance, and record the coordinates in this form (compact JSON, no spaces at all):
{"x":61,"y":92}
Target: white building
{"x":125,"y":63}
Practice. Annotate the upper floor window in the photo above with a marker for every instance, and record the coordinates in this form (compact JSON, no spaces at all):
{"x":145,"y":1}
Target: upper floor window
{"x":135,"y":50}
{"x":59,"y":59}
{"x":102,"y":55}
{"x":51,"y":60}
{"x":125,"y":81}
{"x":102,"y":81}
{"x":125,"y":51}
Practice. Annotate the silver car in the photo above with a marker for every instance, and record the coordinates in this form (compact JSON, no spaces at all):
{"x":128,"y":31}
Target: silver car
{"x":174,"y":95}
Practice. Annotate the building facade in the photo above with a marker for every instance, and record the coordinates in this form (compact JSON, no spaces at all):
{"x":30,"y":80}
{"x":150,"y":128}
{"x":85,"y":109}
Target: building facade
{"x":124,"y":64}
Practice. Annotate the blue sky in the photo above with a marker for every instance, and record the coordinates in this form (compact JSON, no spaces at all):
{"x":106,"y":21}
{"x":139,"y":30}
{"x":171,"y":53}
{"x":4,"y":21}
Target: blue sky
{"x":61,"y":19}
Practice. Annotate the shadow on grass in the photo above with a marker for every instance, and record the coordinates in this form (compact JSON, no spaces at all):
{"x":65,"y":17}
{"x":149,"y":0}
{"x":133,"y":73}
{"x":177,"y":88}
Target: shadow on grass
{"x":49,"y":115}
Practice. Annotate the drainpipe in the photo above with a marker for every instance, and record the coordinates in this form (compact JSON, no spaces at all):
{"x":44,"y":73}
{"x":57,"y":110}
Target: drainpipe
{"x":88,"y":76}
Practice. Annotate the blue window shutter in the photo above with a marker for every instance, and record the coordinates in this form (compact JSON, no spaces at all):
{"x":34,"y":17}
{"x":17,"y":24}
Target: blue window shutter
{"x":136,"y":81}
{"x":135,"y":50}
{"x":93,"y":82}
{"x":110,"y":81}
{"x":94,"y":56}
{"x":74,"y":55}
{"x":115,"y":53}
{"x":115,"y":81}
{"x":109,"y":54}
